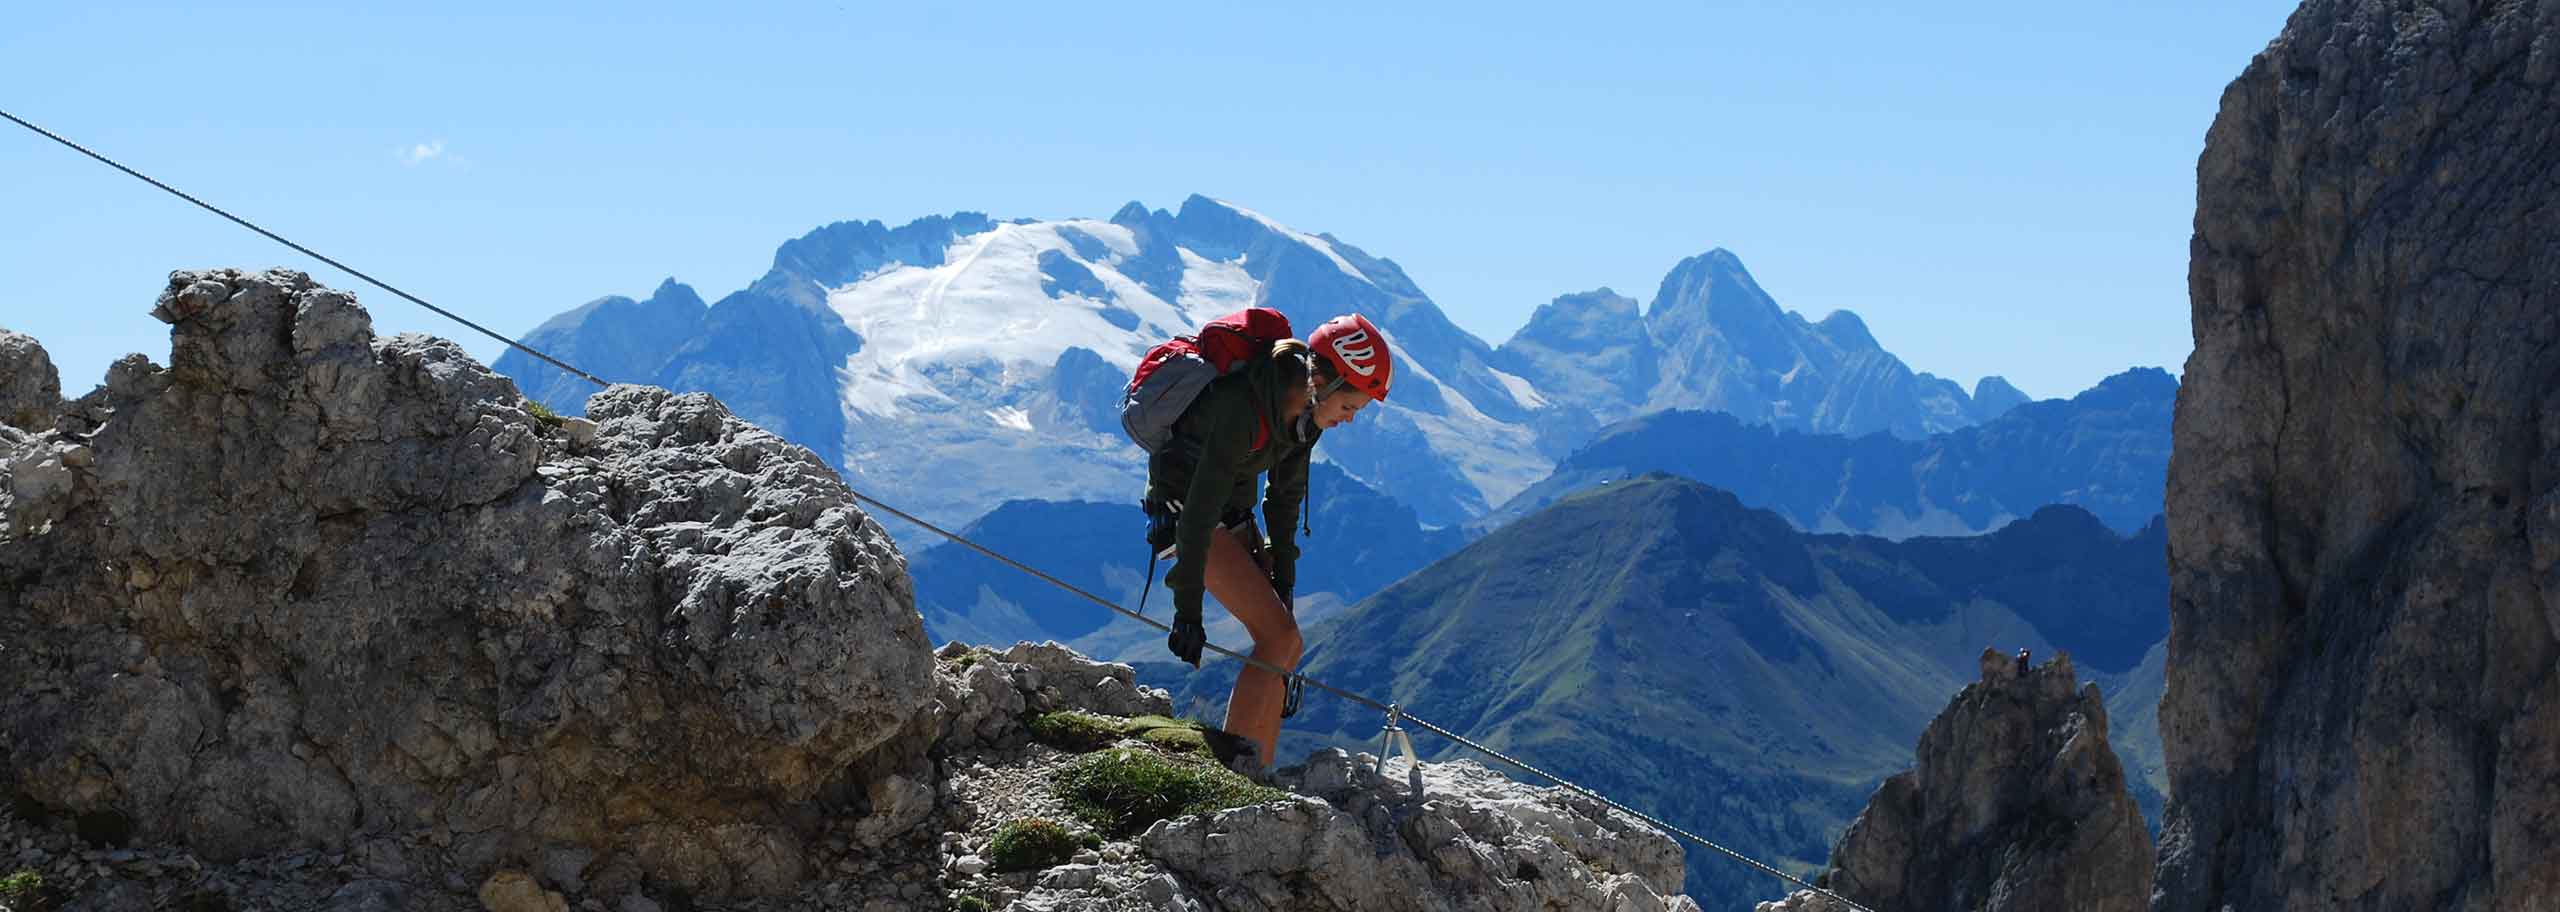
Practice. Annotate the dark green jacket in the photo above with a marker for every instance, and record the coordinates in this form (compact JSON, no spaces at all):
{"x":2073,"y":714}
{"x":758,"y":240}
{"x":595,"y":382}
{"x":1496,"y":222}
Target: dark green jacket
{"x":1210,"y":466}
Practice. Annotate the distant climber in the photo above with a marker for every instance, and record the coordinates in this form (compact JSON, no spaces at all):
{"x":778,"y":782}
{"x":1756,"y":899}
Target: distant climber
{"x":1257,"y":401}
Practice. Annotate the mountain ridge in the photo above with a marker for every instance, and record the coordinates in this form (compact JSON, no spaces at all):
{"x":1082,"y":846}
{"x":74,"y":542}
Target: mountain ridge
{"x":2106,"y":449}
{"x":863,"y":342}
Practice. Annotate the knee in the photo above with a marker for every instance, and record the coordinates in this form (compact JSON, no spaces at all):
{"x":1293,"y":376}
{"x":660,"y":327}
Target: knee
{"x":1283,"y":647}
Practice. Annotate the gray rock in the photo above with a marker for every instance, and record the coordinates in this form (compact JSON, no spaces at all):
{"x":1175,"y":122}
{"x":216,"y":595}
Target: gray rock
{"x":566,"y":868}
{"x":582,"y":432}
{"x":369,"y":896}
{"x":516,"y":891}
{"x":39,"y":480}
{"x":2015,"y":803}
{"x":898,"y":804}
{"x":1070,"y":876}
{"x":2364,"y":497}
{"x":1475,"y":841}
{"x":30,"y":387}
{"x":1059,"y":678}
{"x":304,"y":579}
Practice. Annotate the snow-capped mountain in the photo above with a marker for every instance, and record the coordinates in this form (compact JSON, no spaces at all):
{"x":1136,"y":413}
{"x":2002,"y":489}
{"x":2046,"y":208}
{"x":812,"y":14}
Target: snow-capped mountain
{"x":956,"y":363}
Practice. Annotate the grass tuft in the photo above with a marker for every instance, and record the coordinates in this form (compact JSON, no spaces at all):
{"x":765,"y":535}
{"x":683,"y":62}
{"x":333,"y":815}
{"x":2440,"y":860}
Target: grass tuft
{"x":1034,"y":843}
{"x":24,"y":892}
{"x":1123,"y":791}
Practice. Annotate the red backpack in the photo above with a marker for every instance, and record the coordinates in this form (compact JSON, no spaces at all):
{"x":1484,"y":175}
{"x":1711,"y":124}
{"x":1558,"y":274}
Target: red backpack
{"x":1173,"y":373}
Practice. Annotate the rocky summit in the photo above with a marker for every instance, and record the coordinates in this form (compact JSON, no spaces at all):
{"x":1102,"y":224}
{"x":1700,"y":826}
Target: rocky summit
{"x":2015,"y":803}
{"x":313,"y":619}
{"x":2363,"y":691}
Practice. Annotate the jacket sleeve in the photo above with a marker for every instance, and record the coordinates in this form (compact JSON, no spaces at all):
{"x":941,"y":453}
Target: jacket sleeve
{"x":1223,"y":426}
{"x":1281,"y":501}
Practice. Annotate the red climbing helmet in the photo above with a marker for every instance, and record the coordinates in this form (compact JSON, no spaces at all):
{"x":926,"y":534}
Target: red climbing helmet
{"x":1358,"y":352}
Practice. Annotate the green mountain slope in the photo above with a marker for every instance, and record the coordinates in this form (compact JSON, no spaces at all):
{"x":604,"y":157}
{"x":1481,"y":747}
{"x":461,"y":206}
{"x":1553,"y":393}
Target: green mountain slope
{"x":1658,"y":641}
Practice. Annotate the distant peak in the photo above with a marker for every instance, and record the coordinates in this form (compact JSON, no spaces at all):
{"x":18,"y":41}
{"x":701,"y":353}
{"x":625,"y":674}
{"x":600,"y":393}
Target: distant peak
{"x":2136,"y":386}
{"x":1601,"y":299}
{"x":1717,"y":280}
{"x":671,"y":291}
{"x":2062,"y":519}
{"x":1721,"y":258}
{"x":2141,"y":378}
{"x":1717,"y":261}
{"x":1130,"y":214}
{"x":1993,"y":396}
{"x":1844,"y":329}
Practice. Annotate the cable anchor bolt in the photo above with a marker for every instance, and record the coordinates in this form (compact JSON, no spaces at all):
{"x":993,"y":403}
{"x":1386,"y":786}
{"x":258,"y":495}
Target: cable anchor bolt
{"x":1393,"y":736}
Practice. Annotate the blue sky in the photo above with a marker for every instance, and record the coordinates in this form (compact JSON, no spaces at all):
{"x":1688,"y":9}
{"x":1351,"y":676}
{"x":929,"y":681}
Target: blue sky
{"x":1999,"y":188}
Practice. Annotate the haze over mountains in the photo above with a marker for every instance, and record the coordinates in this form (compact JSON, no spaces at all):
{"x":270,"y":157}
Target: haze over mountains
{"x":2106,"y":450}
{"x":956,"y":363}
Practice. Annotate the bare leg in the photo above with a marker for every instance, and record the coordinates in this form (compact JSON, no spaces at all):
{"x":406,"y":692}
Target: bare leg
{"x":1254,"y":710}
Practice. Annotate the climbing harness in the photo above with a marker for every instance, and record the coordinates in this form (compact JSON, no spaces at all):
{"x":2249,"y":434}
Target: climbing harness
{"x":1393,"y":731}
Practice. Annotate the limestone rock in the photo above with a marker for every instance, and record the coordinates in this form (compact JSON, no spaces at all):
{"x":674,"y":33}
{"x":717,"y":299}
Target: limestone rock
{"x":1063,"y":679}
{"x":1474,"y":841}
{"x":2015,"y":803}
{"x":516,"y":891}
{"x":2364,"y":501}
{"x":30,"y":388}
{"x":305,"y":584}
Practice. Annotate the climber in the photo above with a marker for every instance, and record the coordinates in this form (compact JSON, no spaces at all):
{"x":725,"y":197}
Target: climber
{"x":1263,"y":415}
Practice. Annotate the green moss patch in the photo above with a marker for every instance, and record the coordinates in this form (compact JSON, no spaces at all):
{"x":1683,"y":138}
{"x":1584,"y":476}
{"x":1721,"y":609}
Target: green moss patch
{"x":542,"y":413}
{"x":1124,"y":790}
{"x":1077,"y":732}
{"x":1186,"y":739}
{"x":1081,"y":732}
{"x":1035,"y":843}
{"x":24,"y":890}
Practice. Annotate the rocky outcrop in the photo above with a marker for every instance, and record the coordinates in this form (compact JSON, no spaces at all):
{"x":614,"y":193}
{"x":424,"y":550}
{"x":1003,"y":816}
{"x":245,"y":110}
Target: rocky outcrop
{"x":2363,"y":695}
{"x":309,"y":588}
{"x":1362,"y":841}
{"x":30,"y":389}
{"x":309,"y":619}
{"x":1343,"y":838}
{"x":2015,"y":803}
{"x":35,"y":472}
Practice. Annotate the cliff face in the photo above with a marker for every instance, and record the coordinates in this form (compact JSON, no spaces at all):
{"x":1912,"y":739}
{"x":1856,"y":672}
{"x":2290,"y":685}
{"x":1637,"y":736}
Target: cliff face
{"x":311,"y":619}
{"x":2015,"y":802}
{"x":2363,"y":700}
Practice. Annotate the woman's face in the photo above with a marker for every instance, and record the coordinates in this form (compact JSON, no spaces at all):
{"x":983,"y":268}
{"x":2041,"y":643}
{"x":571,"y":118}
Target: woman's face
{"x":1339,"y":407}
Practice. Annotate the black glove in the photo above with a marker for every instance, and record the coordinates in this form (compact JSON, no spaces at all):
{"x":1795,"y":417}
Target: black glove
{"x":1187,"y":636}
{"x":1297,"y":692}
